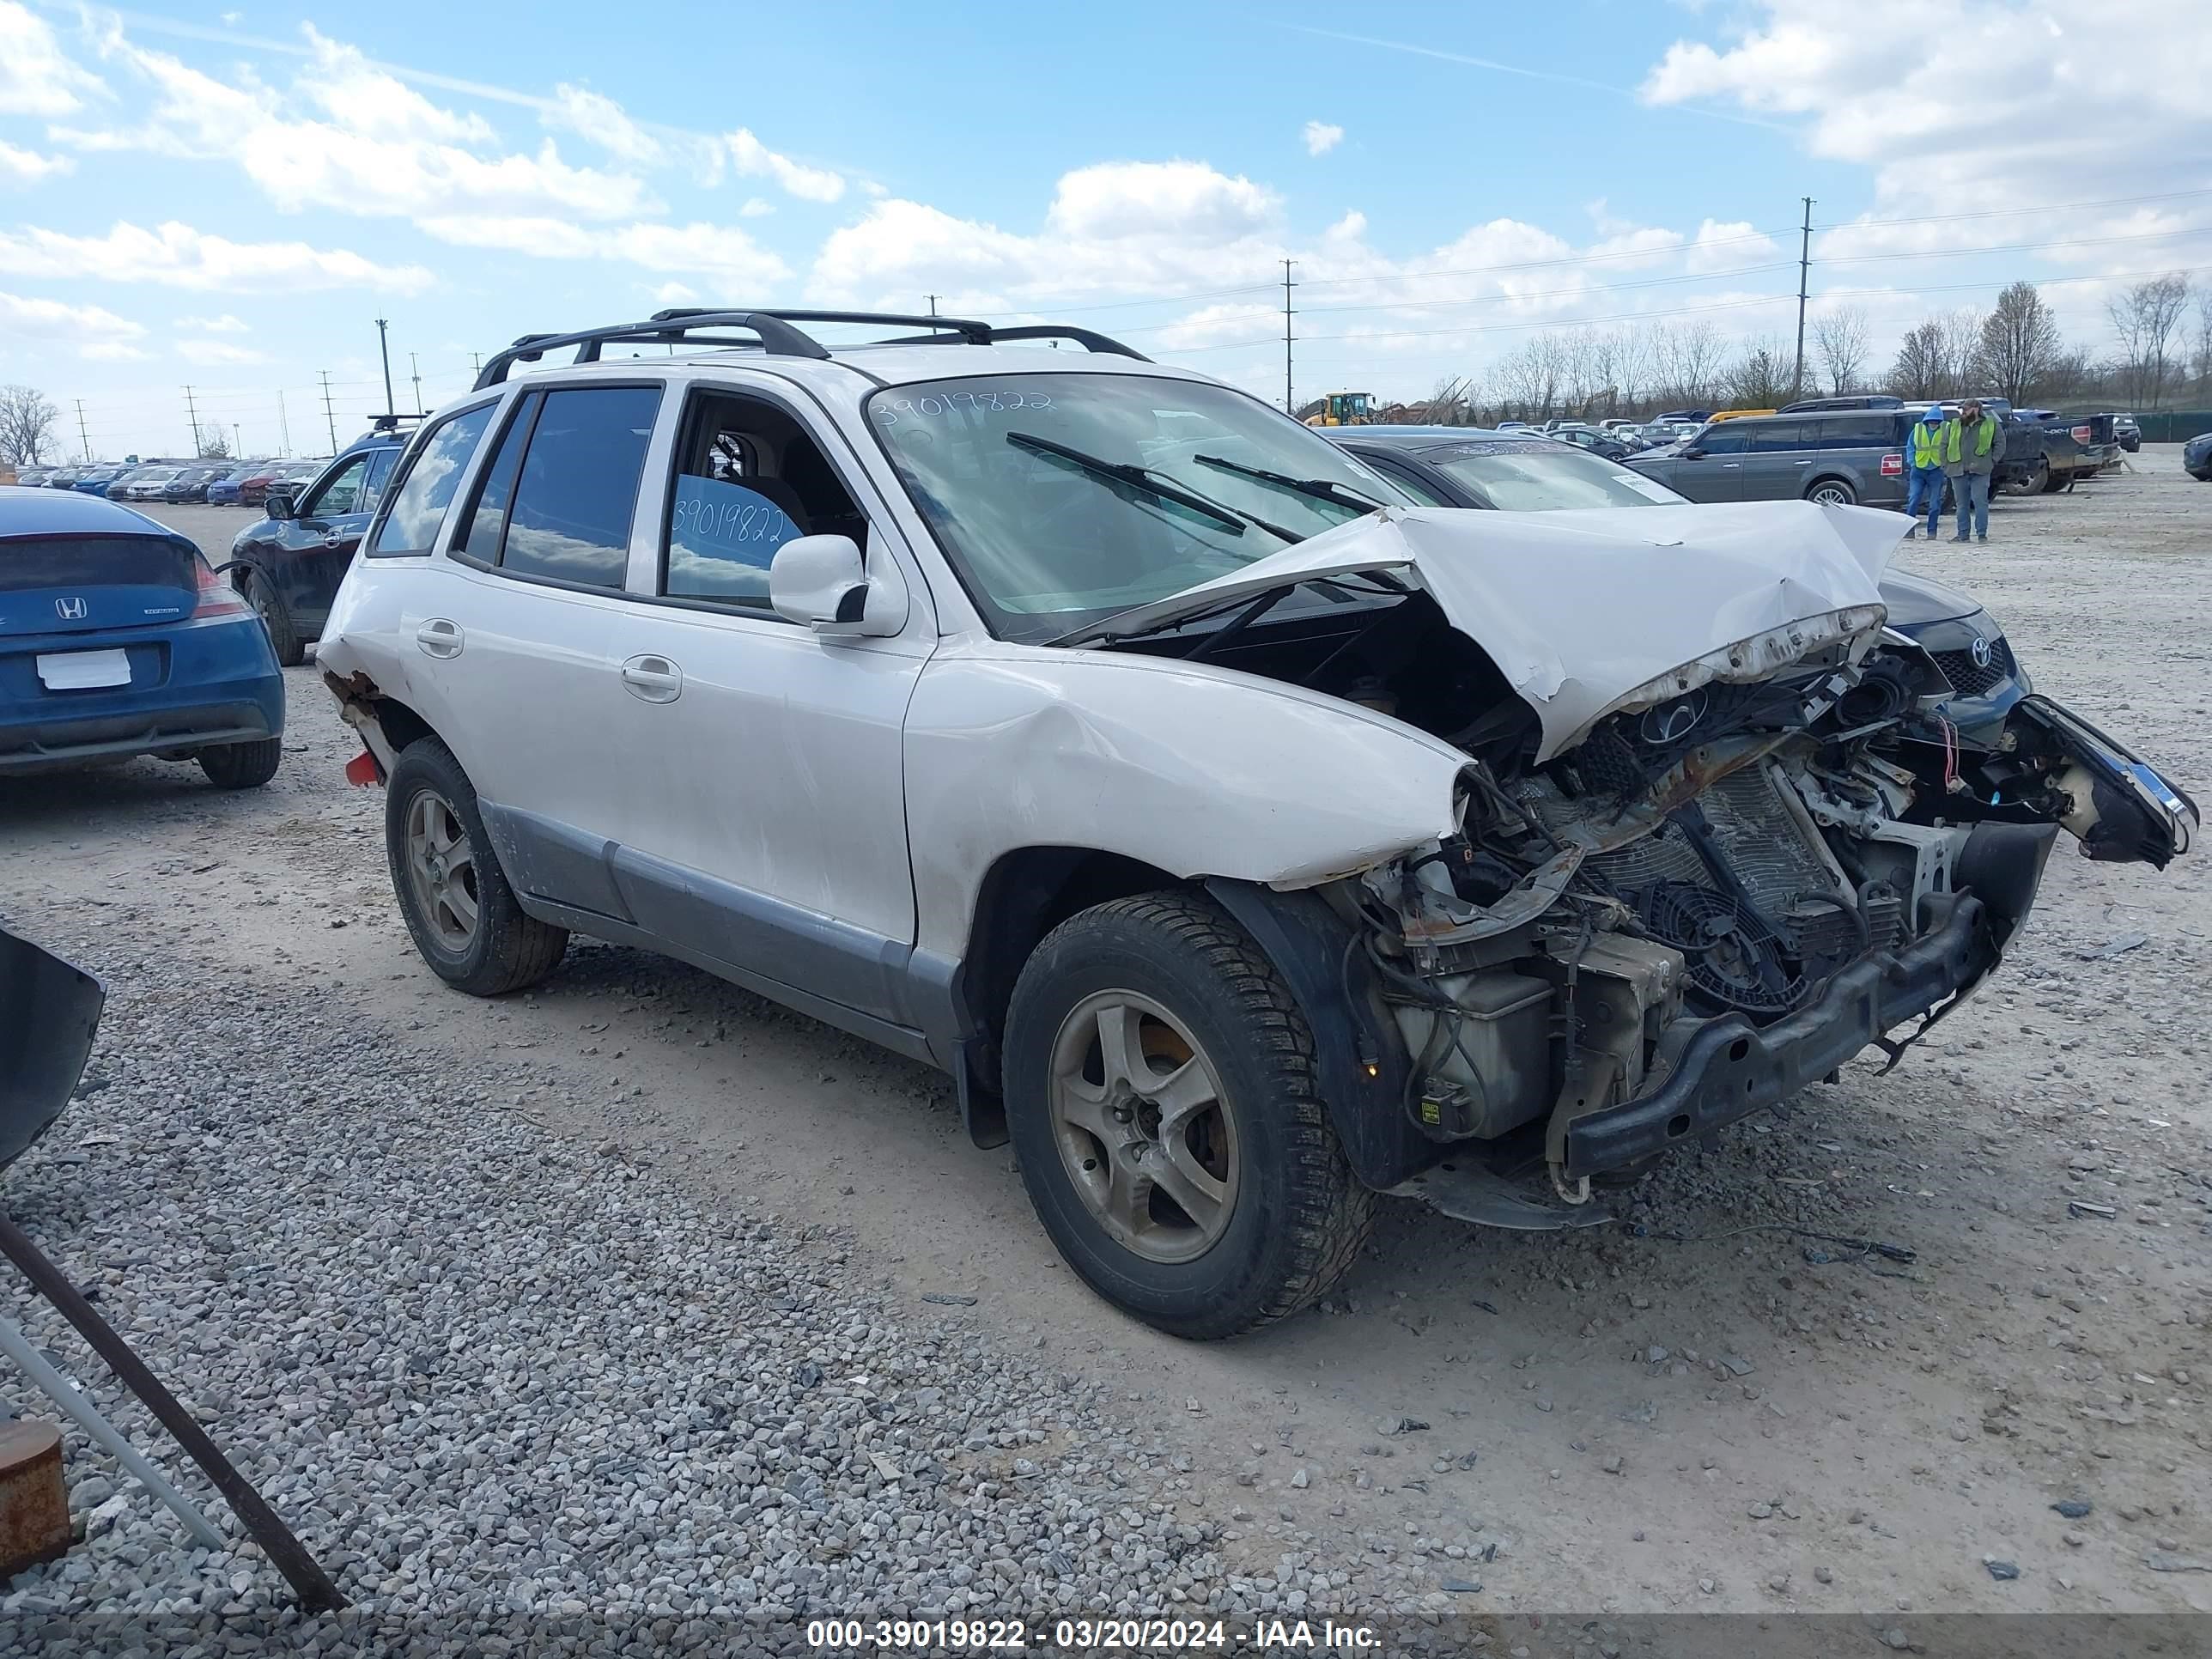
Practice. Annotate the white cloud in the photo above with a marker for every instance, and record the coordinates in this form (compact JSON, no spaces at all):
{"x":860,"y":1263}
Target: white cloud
{"x":384,"y":150}
{"x":1321,"y":136}
{"x":673,"y":294}
{"x":217,"y":353}
{"x":755,"y":160}
{"x":25,"y":166}
{"x":2061,"y":102}
{"x":36,"y":76}
{"x":96,"y":333}
{"x":720,"y":251}
{"x":595,"y":117}
{"x":754,"y":208}
{"x":181,"y":257}
{"x":225,"y":324}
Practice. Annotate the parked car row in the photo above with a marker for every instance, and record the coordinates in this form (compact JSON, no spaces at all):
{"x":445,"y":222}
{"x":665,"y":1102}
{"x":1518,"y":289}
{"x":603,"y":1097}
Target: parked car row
{"x":224,"y":482}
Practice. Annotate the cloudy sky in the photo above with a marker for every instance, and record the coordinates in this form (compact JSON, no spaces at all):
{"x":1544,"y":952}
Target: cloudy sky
{"x":229,"y":200}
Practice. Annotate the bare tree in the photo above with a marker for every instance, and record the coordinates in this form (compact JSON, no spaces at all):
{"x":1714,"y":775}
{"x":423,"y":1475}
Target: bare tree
{"x":2145,"y":317}
{"x":2019,"y":342}
{"x":1528,"y":378}
{"x":1923,"y":368}
{"x":213,"y":446}
{"x":1689,"y":363}
{"x":1840,"y":338}
{"x":1761,"y":378}
{"x":1634,"y":365}
{"x":1962,"y":348}
{"x":27,"y":425}
{"x":2204,"y":352}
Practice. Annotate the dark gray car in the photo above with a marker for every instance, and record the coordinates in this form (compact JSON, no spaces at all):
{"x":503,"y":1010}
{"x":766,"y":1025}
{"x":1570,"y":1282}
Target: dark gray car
{"x":1841,"y":456}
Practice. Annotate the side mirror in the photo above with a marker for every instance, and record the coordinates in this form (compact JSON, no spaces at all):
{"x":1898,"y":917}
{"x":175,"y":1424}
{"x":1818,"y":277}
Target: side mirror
{"x":820,"y":580}
{"x":278,"y":504}
{"x":1693,"y":454}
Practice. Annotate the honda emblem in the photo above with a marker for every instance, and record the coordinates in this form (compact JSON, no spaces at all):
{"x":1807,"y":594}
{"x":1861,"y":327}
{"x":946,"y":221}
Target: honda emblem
{"x":69,"y":609}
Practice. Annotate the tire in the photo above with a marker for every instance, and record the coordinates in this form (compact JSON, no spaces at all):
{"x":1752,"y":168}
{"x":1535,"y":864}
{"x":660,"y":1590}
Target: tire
{"x":463,"y":916}
{"x":2035,"y":482}
{"x":1189,"y":990}
{"x":2053,"y":481}
{"x":242,"y":765}
{"x":1834,"y":492}
{"x":269,"y":604}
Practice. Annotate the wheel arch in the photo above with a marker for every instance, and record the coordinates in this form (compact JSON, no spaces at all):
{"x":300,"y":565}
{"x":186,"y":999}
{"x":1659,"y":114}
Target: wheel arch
{"x":386,"y":725}
{"x":1813,"y":485}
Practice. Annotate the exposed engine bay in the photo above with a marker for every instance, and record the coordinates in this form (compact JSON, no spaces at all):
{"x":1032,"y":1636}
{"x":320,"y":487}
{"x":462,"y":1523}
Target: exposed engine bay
{"x":1713,"y":893}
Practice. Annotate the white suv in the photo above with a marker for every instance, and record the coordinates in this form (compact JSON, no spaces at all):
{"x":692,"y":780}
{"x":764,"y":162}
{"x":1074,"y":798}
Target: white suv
{"x":1244,"y":838}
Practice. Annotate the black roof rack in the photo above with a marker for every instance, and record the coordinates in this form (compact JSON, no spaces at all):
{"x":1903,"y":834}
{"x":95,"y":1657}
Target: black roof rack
{"x":775,"y":335}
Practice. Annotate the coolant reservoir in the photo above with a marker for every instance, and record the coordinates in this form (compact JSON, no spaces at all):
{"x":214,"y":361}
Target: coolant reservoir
{"x":1497,"y":1075}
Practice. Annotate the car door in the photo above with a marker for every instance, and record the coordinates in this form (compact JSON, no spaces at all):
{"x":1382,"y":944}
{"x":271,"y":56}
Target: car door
{"x":1776,"y":460}
{"x":1710,"y":466}
{"x":760,"y":763}
{"x":315,"y":545}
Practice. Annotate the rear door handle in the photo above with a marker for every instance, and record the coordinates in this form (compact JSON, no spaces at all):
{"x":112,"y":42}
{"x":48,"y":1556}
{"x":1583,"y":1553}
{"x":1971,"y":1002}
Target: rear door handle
{"x":440,"y":638}
{"x":1730,"y":466}
{"x":653,"y":679}
{"x":1807,"y":461}
{"x":334,"y":538}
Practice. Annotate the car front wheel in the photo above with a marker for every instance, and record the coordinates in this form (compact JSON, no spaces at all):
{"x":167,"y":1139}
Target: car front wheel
{"x":463,"y":916}
{"x":1163,"y":1103}
{"x":269,"y":604}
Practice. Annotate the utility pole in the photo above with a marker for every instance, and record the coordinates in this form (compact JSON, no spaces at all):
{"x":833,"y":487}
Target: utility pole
{"x":327,"y":415}
{"x":194,"y":412}
{"x":283,"y":426}
{"x":1804,"y":276}
{"x":416,"y":369}
{"x":384,"y":345}
{"x":933,"y":305}
{"x":82,"y":436}
{"x":237,"y":443}
{"x":476,"y":364}
{"x":1289,"y":406}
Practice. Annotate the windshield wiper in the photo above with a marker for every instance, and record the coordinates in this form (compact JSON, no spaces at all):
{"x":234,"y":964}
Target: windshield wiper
{"x":1321,"y":489}
{"x":1158,"y":485}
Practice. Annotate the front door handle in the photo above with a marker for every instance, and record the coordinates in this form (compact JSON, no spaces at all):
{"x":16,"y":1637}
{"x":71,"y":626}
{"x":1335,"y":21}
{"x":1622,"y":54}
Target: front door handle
{"x":1730,"y":466}
{"x":653,"y":679}
{"x":334,"y":538}
{"x":1807,"y":461}
{"x":440,"y":638}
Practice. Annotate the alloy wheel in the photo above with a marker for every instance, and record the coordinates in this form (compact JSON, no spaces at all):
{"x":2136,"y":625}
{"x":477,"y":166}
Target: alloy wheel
{"x":441,"y":868}
{"x":1137,"y":1115}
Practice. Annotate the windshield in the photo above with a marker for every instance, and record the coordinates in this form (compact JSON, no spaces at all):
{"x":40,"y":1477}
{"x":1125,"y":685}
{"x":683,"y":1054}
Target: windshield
{"x":1527,"y":478}
{"x":1046,"y":544}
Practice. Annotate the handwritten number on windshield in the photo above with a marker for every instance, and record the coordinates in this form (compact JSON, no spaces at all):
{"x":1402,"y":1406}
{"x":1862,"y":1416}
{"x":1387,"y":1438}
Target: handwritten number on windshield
{"x":890,"y":412}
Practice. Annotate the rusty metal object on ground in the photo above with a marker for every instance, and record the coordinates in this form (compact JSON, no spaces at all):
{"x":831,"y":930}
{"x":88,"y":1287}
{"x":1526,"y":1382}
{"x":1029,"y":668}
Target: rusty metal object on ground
{"x":34,"y":1521}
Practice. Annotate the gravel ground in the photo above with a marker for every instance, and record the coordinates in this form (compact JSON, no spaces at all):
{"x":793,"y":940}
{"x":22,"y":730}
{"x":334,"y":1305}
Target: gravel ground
{"x":622,"y":1312}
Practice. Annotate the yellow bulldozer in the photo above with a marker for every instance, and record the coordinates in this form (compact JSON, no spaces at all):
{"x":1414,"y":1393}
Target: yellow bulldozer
{"x":1343,"y":409}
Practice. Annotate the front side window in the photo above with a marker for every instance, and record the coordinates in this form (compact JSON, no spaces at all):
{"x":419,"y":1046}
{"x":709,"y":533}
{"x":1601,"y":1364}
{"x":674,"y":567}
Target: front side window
{"x":558,"y":498}
{"x":748,"y":478}
{"x":342,"y":494}
{"x":1062,"y":499}
{"x":427,"y":488}
{"x":1545,"y":477}
{"x":1723,"y":437}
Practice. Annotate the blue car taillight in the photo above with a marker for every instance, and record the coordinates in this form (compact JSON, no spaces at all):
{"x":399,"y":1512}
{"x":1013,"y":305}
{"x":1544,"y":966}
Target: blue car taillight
{"x":216,"y":597}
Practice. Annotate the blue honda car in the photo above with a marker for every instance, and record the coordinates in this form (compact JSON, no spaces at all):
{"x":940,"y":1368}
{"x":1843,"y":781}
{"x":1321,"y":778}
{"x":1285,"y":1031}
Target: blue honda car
{"x":116,"y":638}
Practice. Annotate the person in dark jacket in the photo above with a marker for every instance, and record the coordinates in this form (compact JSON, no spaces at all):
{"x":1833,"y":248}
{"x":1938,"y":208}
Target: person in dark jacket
{"x":1971,"y":446}
{"x":1924,"y":490}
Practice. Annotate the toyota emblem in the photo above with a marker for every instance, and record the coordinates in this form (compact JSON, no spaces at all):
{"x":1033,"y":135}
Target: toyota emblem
{"x":69,"y":609}
{"x":1979,"y":651}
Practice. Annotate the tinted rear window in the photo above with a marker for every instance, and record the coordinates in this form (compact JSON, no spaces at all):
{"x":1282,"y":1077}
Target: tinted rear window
{"x":97,"y":561}
{"x":1874,"y":430}
{"x":578,"y":488}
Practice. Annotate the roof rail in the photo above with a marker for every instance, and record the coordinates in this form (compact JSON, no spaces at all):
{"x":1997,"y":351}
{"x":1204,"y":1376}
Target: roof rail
{"x":668,"y":329}
{"x":1089,"y":339}
{"x":776,"y":335}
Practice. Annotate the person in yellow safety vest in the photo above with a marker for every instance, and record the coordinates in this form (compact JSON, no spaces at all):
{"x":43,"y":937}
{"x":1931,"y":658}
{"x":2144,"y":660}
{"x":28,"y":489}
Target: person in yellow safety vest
{"x":1971,"y":446}
{"x":1924,"y":490}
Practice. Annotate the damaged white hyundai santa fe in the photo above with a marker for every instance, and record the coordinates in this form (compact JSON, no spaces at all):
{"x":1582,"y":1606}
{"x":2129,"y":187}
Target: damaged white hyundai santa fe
{"x":1244,"y":838}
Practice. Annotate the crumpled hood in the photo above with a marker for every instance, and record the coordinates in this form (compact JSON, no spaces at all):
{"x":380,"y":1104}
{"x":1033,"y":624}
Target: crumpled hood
{"x":1581,"y":617}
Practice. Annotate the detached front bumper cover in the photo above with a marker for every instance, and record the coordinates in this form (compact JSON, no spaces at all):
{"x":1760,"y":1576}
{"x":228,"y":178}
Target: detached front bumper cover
{"x":1723,"y":1069}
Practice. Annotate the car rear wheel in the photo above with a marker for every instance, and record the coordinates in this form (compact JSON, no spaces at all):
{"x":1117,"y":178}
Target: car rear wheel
{"x":269,"y":604}
{"x":1832,"y":492}
{"x":2053,"y":481}
{"x":242,"y":765}
{"x":1162,"y":1102}
{"x":2035,"y":481}
{"x":464,"y":918}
